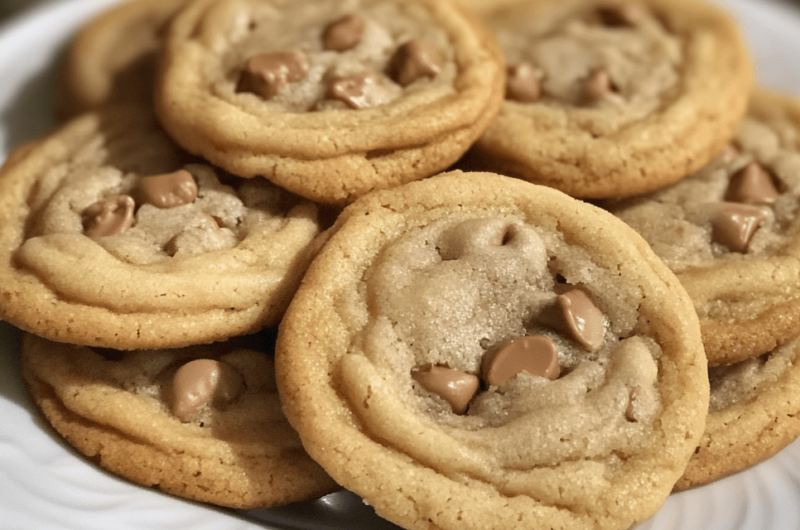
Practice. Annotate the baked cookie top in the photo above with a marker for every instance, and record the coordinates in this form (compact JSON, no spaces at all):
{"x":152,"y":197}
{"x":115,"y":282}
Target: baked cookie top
{"x":730,"y":232}
{"x":112,"y":59}
{"x":329,"y":99}
{"x":111,"y":239}
{"x":203,"y":423}
{"x":503,"y":354}
{"x":614,"y":98}
{"x":752,"y":415}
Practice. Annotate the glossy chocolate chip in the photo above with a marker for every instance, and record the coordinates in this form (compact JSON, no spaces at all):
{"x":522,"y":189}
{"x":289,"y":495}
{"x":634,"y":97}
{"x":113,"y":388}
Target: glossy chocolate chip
{"x":734,"y":225}
{"x":203,"y":381}
{"x":414,"y":60}
{"x":536,"y":355}
{"x":344,"y":33}
{"x":522,"y":83}
{"x":352,"y":90}
{"x":109,"y":217}
{"x":266,"y":73}
{"x":168,"y":190}
{"x":454,"y":386}
{"x":751,"y":185}
{"x":598,"y":86}
{"x":581,"y":318}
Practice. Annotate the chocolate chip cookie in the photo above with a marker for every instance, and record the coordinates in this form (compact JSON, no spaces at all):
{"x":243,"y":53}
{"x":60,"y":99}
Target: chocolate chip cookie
{"x":730,"y":233}
{"x":475,"y":351}
{"x":112,"y":236}
{"x":753,"y":414}
{"x":613,"y":98}
{"x":329,"y":99}
{"x":202,"y":423}
{"x":112,"y":59}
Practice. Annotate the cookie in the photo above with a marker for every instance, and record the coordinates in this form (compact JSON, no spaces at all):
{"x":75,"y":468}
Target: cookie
{"x":112,"y":59}
{"x":613,"y":98}
{"x":114,"y":237}
{"x":329,"y":99}
{"x":752,"y":415}
{"x":730,"y":233}
{"x":475,"y":351}
{"x":203,"y":423}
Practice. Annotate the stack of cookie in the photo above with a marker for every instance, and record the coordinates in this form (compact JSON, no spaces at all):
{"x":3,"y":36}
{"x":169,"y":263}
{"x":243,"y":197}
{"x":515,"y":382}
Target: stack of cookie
{"x":131,"y":241}
{"x":729,"y":233}
{"x":460,"y":348}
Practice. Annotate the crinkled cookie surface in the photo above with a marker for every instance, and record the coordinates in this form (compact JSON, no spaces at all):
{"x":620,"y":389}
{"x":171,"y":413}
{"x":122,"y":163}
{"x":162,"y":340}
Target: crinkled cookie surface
{"x":112,"y":59}
{"x":752,"y":415}
{"x":730,"y":232}
{"x":111,"y":240}
{"x":203,"y":423}
{"x":609,"y":99}
{"x":329,"y":99}
{"x":391,"y":359}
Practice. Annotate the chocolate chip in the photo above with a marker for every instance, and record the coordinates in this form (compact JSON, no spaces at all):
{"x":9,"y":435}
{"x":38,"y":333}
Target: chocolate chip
{"x":203,"y":381}
{"x":414,"y":60}
{"x":536,"y":355}
{"x":599,"y":86}
{"x":266,"y":73}
{"x":522,"y":83}
{"x":581,"y":318}
{"x":734,"y":225}
{"x":109,"y":217}
{"x":454,"y":386}
{"x":353,"y":89}
{"x":168,"y":190}
{"x":751,"y":185}
{"x":344,"y":33}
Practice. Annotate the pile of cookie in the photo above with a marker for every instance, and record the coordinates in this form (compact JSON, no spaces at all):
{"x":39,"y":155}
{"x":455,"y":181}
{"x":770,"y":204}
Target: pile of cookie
{"x":487,"y":264}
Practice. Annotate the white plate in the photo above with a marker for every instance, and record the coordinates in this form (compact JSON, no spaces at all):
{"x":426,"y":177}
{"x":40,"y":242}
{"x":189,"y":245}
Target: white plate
{"x":45,"y":485}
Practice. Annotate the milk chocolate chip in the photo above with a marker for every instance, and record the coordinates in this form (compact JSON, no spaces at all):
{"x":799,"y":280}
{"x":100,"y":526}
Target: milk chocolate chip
{"x":598,"y":86}
{"x":454,"y":386}
{"x":203,"y":381}
{"x":536,"y":355}
{"x":581,"y":319}
{"x":344,"y":33}
{"x":266,"y":73}
{"x":735,"y":224}
{"x":522,"y":83}
{"x":751,"y":185}
{"x":353,"y":89}
{"x":413,"y":60}
{"x":109,"y":217}
{"x":168,"y":190}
